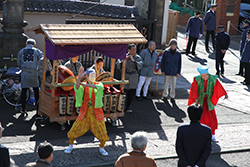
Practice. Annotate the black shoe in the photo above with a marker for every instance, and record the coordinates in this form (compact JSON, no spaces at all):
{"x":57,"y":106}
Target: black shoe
{"x":207,"y":50}
{"x":146,"y":98}
{"x":187,"y":53}
{"x":164,"y":98}
{"x":193,"y":53}
{"x":129,"y":111}
{"x":138,"y":98}
{"x":172,"y":100}
{"x":39,"y":117}
{"x":222,"y":74}
{"x":243,"y":83}
{"x":239,"y":74}
{"x":63,"y":126}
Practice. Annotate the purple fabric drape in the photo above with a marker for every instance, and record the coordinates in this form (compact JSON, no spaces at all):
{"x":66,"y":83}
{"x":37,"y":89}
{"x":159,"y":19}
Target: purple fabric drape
{"x":55,"y":52}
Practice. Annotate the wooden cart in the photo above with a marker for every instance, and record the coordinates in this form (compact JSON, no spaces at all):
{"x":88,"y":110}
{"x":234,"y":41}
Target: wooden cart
{"x":68,"y":40}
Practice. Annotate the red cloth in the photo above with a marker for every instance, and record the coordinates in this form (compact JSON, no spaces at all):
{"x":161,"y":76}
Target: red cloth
{"x":59,"y":92}
{"x":208,"y":117}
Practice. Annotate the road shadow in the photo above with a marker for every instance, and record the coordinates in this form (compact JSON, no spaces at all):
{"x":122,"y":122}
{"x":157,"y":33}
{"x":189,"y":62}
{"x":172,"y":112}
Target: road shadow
{"x":212,"y":56}
{"x":196,"y":59}
{"x":248,"y":88}
{"x":172,"y":110}
{"x":145,"y":117}
{"x":89,"y":155}
{"x":226,"y":80}
{"x":215,"y":159}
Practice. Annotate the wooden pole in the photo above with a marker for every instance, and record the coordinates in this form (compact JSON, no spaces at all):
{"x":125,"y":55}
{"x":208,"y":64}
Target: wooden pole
{"x":44,"y":66}
{"x":112,"y":71}
{"x":157,"y":82}
{"x":123,"y":73}
{"x":104,"y":83}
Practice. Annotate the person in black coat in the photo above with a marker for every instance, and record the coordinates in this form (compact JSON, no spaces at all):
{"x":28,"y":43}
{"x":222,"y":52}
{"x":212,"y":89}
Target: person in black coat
{"x":193,"y":142}
{"x":245,"y":59}
{"x":222,"y":44}
{"x":194,"y":30}
{"x":246,"y":26}
{"x":210,"y":22}
{"x":4,"y":152}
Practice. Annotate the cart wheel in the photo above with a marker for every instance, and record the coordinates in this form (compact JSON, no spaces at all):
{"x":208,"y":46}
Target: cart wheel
{"x":113,"y":122}
{"x":62,"y":126}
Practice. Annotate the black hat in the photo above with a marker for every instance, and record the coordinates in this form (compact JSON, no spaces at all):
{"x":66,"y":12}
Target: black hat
{"x":214,"y":5}
{"x":221,"y":27}
{"x":247,"y":21}
{"x":248,"y":31}
{"x":197,"y":12}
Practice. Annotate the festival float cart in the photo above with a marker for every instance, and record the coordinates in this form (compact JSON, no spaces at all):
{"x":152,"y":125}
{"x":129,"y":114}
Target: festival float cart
{"x":69,"y":40}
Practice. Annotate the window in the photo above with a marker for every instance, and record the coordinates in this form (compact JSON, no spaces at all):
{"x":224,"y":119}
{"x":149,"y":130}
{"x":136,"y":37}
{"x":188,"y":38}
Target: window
{"x":129,"y":2}
{"x":201,"y":5}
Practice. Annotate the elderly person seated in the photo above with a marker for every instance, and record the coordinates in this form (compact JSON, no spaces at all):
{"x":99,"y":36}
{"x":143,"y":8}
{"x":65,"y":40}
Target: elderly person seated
{"x":4,"y":152}
{"x":137,"y":157}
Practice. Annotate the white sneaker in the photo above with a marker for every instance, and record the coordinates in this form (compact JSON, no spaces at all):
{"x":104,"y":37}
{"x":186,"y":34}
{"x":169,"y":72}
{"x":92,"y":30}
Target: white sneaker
{"x":69,"y":149}
{"x":214,"y":139}
{"x":103,"y":152}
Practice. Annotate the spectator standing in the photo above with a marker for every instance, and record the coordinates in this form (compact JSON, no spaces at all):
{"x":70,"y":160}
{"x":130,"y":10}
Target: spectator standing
{"x":245,"y":59}
{"x":171,"y":68}
{"x":193,"y":142}
{"x":4,"y":152}
{"x":45,"y":154}
{"x":210,"y":22}
{"x":246,"y":26}
{"x":194,"y":30}
{"x":222,"y":44}
{"x":136,"y":157}
{"x":133,"y":65}
{"x":74,"y":65}
{"x":29,"y":60}
{"x":149,"y":57}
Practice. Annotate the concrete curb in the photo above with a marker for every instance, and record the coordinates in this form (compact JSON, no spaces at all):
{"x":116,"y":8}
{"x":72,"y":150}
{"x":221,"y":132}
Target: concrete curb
{"x":173,"y":156}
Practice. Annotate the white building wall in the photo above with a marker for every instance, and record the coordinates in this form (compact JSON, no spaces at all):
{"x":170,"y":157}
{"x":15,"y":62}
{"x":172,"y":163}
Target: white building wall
{"x":34,"y":19}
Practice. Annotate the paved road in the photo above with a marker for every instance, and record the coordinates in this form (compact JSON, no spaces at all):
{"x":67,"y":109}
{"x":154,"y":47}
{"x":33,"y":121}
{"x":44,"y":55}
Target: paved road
{"x":159,"y":119}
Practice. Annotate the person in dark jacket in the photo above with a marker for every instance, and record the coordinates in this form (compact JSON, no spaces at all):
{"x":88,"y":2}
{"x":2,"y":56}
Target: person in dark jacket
{"x":193,"y":142}
{"x":194,"y":30}
{"x":245,"y":59}
{"x":171,"y":68}
{"x":133,"y":65}
{"x":4,"y":152}
{"x":246,"y":25}
{"x":222,"y":44}
{"x":210,"y":22}
{"x":45,"y":153}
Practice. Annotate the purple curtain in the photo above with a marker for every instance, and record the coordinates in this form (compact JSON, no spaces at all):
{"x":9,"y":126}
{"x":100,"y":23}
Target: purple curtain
{"x":55,"y":52}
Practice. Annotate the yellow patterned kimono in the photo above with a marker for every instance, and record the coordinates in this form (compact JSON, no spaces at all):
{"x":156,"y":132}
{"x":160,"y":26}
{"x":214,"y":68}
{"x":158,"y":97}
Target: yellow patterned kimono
{"x":90,"y":118}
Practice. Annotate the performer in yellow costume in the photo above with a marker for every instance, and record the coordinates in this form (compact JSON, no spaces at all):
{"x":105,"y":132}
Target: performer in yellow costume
{"x":91,"y":117}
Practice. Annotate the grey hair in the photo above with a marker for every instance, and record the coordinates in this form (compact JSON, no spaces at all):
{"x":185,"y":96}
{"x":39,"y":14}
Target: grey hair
{"x":139,"y":140}
{"x":30,"y":42}
{"x":151,"y":42}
